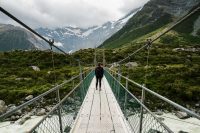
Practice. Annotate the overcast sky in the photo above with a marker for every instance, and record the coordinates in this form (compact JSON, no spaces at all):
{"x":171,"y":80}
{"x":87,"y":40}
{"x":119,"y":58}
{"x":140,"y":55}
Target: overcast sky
{"x":60,"y":13}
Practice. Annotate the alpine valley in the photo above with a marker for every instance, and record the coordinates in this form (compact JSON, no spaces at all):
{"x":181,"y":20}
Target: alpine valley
{"x":68,"y":38}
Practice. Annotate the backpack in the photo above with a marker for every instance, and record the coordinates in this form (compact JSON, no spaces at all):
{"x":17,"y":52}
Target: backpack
{"x":99,"y":72}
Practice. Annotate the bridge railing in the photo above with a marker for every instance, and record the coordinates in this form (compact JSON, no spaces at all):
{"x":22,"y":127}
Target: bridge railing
{"x":60,"y":119}
{"x":122,"y":98}
{"x":138,"y":116}
{"x":51,"y":92}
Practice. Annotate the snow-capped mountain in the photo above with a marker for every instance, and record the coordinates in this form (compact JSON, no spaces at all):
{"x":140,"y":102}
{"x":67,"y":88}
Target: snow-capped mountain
{"x":73,"y":38}
{"x":14,"y":37}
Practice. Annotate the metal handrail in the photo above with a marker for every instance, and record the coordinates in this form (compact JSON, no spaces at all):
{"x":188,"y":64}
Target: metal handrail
{"x":9,"y":113}
{"x":57,"y":105}
{"x":142,"y":105}
{"x":49,"y":41}
{"x":30,"y":29}
{"x":181,"y":20}
{"x":161,"y":97}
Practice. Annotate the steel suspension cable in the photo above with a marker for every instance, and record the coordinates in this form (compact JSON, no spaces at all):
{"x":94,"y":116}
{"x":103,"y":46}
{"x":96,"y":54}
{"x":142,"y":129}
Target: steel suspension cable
{"x":30,"y":29}
{"x":132,"y":54}
{"x":164,"y":32}
{"x":53,"y":64}
{"x":178,"y":22}
{"x":160,"y":96}
{"x":9,"y":113}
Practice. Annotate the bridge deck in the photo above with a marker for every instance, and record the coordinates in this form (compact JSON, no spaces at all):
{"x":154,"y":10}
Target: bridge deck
{"x":100,"y":112}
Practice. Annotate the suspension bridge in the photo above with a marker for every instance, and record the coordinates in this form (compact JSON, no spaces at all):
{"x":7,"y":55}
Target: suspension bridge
{"x":114,"y":109}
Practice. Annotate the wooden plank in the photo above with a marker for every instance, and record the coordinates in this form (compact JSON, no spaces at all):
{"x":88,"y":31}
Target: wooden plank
{"x":94,"y":120}
{"x":83,"y":116}
{"x":119,"y":121}
{"x":106,"y":121}
{"x":100,"y":112}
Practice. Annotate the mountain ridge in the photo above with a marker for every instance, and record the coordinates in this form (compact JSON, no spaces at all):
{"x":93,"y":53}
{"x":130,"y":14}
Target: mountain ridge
{"x":15,"y":37}
{"x":74,"y":38}
{"x":69,"y":38}
{"x":154,"y":15}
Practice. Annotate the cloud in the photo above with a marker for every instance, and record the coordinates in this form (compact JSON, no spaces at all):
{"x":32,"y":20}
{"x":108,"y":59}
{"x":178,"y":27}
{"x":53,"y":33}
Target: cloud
{"x":58,"y":44}
{"x":60,"y":13}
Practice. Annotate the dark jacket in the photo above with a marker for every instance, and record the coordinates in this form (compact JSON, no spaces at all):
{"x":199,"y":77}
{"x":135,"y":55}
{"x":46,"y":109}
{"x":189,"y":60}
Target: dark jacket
{"x":99,"y":72}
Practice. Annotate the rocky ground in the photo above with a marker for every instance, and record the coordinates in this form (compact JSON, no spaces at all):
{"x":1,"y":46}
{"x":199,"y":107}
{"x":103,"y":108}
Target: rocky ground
{"x":22,"y":119}
{"x":37,"y":109}
{"x":190,"y":125}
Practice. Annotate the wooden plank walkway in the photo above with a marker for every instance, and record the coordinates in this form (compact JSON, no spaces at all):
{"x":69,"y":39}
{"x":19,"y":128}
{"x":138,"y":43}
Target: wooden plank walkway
{"x":100,"y":112}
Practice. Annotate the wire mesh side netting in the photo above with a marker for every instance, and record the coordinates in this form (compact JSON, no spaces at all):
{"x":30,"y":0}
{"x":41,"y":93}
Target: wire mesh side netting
{"x":63,"y":115}
{"x":137,"y":115}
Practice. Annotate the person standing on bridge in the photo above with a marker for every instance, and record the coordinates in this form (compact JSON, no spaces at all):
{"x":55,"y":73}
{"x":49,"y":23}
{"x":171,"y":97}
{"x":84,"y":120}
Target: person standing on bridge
{"x":99,"y":75}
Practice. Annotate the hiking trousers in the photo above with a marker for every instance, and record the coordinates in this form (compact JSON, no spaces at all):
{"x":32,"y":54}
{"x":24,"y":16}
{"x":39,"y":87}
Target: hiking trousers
{"x":98,"y":81}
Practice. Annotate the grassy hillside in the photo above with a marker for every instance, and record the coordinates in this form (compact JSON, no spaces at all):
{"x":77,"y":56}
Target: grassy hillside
{"x":18,"y":79}
{"x":174,"y":70}
{"x":174,"y":74}
{"x":174,"y":63}
{"x":171,"y":71}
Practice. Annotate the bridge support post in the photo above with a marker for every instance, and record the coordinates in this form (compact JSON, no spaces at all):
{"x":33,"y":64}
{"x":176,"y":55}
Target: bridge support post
{"x":119,"y":79}
{"x":95,"y":57}
{"x":74,"y":95}
{"x":113,"y":82}
{"x":79,"y":64}
{"x":59,"y":111}
{"x":81,"y":78}
{"x":142,"y":111}
{"x":125,"y":99}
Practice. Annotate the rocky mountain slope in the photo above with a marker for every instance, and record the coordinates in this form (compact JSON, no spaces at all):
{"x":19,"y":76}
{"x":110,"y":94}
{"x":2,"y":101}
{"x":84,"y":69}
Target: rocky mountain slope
{"x":74,"y":38}
{"x":154,"y":15}
{"x":69,"y":39}
{"x":13,"y":37}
